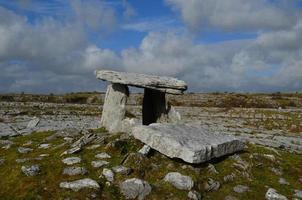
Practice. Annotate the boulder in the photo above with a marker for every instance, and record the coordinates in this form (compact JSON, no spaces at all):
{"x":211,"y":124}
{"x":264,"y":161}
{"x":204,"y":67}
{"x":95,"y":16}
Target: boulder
{"x":190,"y":143}
{"x":160,"y":83}
{"x":80,"y":184}
{"x":135,"y":188}
{"x":179,"y":181}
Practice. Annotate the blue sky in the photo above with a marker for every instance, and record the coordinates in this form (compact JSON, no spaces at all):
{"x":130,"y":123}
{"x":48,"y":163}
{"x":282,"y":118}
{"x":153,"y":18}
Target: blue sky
{"x":214,"y":45}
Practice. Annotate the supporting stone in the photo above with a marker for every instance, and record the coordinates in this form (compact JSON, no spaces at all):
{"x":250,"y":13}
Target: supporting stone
{"x":114,"y":108}
{"x":154,"y":107}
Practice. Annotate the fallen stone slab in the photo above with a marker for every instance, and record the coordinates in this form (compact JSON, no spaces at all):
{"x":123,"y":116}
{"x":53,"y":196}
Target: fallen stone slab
{"x":161,"y":83}
{"x":190,"y":143}
{"x":80,"y":184}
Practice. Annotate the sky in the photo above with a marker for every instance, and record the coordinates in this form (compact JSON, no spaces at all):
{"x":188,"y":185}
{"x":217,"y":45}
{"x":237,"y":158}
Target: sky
{"x":54,"y":46}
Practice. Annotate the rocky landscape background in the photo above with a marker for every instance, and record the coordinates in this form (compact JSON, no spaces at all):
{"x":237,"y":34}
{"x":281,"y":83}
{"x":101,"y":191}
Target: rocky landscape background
{"x":39,"y":131}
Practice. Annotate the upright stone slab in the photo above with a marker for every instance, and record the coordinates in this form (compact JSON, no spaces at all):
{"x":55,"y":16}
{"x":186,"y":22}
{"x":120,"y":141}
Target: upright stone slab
{"x":154,"y":107}
{"x":190,"y":143}
{"x":114,"y":108}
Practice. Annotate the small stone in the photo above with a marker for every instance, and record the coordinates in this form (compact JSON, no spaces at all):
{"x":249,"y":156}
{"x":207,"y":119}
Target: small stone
{"x":135,"y":188}
{"x":72,"y":171}
{"x":102,"y":155}
{"x":121,"y":170}
{"x":282,"y":181}
{"x":94,"y":146}
{"x":298,"y":193}
{"x":44,"y":146}
{"x":229,"y":178}
{"x":276,"y":171}
{"x":211,"y":185}
{"x":241,"y":188}
{"x":145,"y":150}
{"x":24,"y":150}
{"x":179,"y":181}
{"x":79,"y":184}
{"x":212,"y":169}
{"x":68,"y":139}
{"x":99,"y":163}
{"x":272,"y":194}
{"x":31,"y":170}
{"x":2,"y":160}
{"x":28,"y":143}
{"x":108,"y":174}
{"x":71,"y":160}
{"x":44,"y":155}
{"x":194,"y":195}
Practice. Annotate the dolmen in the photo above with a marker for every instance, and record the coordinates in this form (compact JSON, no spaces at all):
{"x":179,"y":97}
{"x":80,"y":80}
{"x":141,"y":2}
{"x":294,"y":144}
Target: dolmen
{"x":161,"y":126}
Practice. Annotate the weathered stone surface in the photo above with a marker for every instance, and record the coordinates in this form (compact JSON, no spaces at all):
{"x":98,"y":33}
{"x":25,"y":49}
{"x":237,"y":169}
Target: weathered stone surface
{"x":179,"y":181}
{"x":114,"y":108}
{"x":161,"y":83}
{"x":102,"y":155}
{"x":24,"y":150}
{"x":99,"y":163}
{"x":79,"y":184}
{"x":135,"y":188}
{"x":272,"y":194}
{"x":31,"y":170}
{"x":298,"y":193}
{"x":191,"y":143}
{"x":33,"y":123}
{"x":71,"y":160}
{"x":145,"y":150}
{"x":121,"y":170}
{"x":72,"y":171}
{"x":194,"y":195}
{"x":108,"y":174}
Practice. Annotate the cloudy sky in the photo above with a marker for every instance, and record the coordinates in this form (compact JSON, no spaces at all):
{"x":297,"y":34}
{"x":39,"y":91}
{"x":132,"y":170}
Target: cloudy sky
{"x":214,"y":45}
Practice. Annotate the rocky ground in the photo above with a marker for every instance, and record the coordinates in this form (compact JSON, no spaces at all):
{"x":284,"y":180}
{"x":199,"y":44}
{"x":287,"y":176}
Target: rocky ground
{"x":58,"y":151}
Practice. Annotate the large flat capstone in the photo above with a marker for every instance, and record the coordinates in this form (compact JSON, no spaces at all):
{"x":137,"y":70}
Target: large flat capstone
{"x":161,"y":83}
{"x":190,"y":143}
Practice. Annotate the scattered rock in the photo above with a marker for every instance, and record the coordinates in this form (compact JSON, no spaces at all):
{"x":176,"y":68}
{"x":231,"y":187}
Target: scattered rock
{"x":121,"y":170}
{"x":135,"y":188}
{"x":24,"y":150}
{"x":258,"y":156}
{"x":212,"y":169}
{"x":31,"y":170}
{"x":298,"y":193}
{"x":278,"y":172}
{"x":72,"y":171}
{"x":241,"y":188}
{"x":33,"y":123}
{"x":145,"y":150}
{"x":229,"y":178}
{"x":2,"y":160}
{"x":71,"y":160}
{"x":179,"y":181}
{"x":272,"y":194}
{"x":99,"y":163}
{"x":94,"y":146}
{"x":44,"y":146}
{"x":194,"y":195}
{"x":282,"y":181}
{"x":79,"y":184}
{"x":28,"y":143}
{"x":211,"y":185}
{"x":78,"y":145}
{"x":108,"y":174}
{"x":102,"y":155}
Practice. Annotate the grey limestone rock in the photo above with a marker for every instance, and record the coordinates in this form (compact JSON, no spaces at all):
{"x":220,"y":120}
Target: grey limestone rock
{"x":298,"y":193}
{"x":121,"y":170}
{"x":31,"y":170}
{"x":179,"y":181}
{"x":194,"y":195}
{"x":24,"y":150}
{"x":145,"y":150}
{"x":241,"y":188}
{"x":102,"y":155}
{"x":71,"y":160}
{"x":190,"y":143}
{"x":108,"y":174}
{"x":80,"y":184}
{"x":72,"y":171}
{"x":272,"y":194}
{"x":33,"y":123}
{"x":135,"y":188}
{"x":99,"y":163}
{"x":282,"y":181}
{"x":161,"y":83}
{"x":211,"y":185}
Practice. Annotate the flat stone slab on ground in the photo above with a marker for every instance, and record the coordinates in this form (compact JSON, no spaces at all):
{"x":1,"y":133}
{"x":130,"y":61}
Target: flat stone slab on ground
{"x":161,"y":83}
{"x":190,"y":143}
